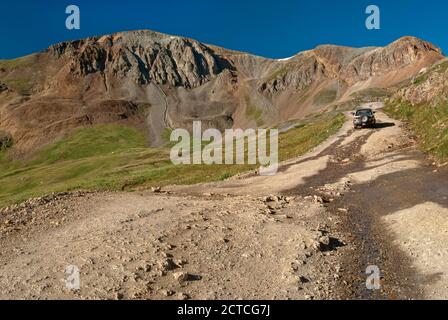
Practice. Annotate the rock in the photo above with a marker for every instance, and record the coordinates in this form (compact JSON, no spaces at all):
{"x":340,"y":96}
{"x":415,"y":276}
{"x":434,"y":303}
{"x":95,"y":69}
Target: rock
{"x":166,"y":255}
{"x":318,"y":199}
{"x":156,"y":189}
{"x":167,"y":293}
{"x":147,"y":267}
{"x":3,"y":87}
{"x":324,"y":241}
{"x":181,"y":262}
{"x":302,"y":279}
{"x":271,"y":198}
{"x":183,"y":296}
{"x":118,"y":296}
{"x":167,"y":265}
{"x":181,"y":276}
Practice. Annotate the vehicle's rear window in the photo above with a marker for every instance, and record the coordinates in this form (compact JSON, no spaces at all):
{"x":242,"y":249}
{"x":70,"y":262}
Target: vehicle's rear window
{"x":363,"y":112}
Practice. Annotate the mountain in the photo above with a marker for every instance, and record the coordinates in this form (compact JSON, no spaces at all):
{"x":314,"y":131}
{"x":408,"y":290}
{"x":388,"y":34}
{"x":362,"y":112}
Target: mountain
{"x":157,"y":82}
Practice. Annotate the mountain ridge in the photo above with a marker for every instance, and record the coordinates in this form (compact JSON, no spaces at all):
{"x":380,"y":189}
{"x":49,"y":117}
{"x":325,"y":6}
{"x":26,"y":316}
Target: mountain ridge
{"x":156,"y":82}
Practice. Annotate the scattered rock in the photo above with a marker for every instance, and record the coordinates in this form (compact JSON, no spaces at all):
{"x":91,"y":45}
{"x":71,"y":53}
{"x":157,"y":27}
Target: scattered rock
{"x":118,"y":296}
{"x":167,"y":265}
{"x":270,"y":198}
{"x":181,"y":262}
{"x":3,"y":86}
{"x":303,"y":279}
{"x":181,"y":276}
{"x":324,"y":242}
{"x":166,"y":293}
{"x":183,"y":296}
{"x":156,"y":189}
{"x":321,"y":200}
{"x":208,"y":194}
{"x":146,"y":268}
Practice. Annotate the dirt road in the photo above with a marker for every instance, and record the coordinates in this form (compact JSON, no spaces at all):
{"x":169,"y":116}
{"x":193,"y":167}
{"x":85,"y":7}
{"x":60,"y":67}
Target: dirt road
{"x":365,"y":197}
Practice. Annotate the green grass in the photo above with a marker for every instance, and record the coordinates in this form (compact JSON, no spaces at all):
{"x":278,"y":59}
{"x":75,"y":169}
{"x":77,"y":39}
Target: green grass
{"x":440,"y":68}
{"x":113,"y":157}
{"x":101,"y":140}
{"x":371,"y":93}
{"x":276,"y":74}
{"x":225,"y":176}
{"x":420,"y":79}
{"x":5,"y":141}
{"x":428,"y":123}
{"x":22,"y":86}
{"x":166,"y":134}
{"x":300,"y":140}
{"x":13,"y":64}
{"x":17,"y":74}
{"x":253,"y":113}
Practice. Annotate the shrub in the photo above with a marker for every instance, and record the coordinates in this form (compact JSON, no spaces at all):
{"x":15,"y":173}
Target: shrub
{"x":5,"y":140}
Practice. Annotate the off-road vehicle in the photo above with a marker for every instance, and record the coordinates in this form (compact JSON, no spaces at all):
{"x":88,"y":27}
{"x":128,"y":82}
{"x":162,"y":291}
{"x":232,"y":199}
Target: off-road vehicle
{"x":364,"y":118}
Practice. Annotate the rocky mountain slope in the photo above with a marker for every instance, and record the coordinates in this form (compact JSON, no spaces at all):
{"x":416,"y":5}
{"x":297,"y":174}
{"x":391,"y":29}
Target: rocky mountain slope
{"x":157,"y":82}
{"x":422,"y":103}
{"x":430,"y":86}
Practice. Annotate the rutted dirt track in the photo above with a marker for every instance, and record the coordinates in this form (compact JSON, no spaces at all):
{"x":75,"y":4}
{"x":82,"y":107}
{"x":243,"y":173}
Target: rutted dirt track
{"x":365,"y":197}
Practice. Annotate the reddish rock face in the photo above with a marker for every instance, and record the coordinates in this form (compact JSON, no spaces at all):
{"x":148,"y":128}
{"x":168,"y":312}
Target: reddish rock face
{"x":401,"y":53}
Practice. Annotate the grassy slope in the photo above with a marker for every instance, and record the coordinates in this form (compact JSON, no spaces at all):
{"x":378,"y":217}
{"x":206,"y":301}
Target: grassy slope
{"x":253,"y":113}
{"x":429,"y":123}
{"x":15,"y":74}
{"x":112,"y":157}
{"x":325,"y":97}
{"x":439,"y":68}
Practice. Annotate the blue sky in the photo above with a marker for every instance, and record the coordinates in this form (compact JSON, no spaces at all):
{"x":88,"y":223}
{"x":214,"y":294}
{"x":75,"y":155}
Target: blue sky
{"x":270,"y":28}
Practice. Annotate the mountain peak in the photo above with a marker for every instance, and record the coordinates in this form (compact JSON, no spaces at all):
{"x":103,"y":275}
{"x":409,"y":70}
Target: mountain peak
{"x":417,"y":43}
